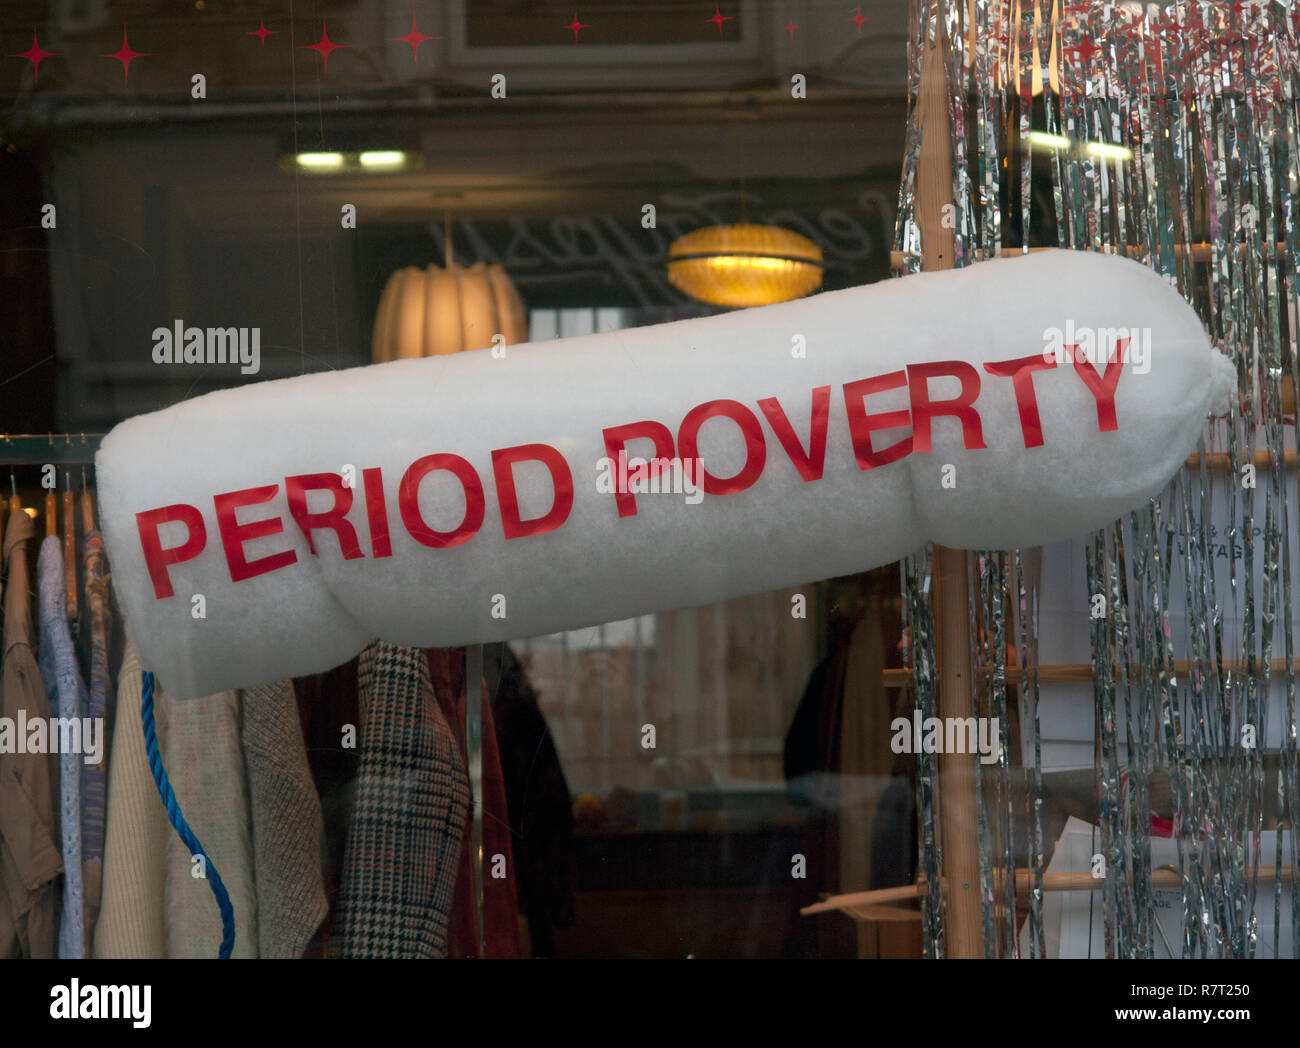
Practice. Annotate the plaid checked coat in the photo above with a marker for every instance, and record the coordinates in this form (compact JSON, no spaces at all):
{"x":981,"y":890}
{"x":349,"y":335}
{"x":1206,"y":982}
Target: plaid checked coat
{"x":408,"y":816}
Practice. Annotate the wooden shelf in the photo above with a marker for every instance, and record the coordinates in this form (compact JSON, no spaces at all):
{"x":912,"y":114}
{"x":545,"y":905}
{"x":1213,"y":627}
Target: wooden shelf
{"x":881,"y":904}
{"x":1200,"y":252}
{"x":1222,"y":462}
{"x":1081,"y":673}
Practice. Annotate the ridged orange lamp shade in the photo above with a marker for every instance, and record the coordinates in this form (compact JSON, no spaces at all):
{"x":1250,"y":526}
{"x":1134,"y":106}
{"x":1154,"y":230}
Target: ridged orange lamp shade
{"x":428,"y":312}
{"x":744,"y":265}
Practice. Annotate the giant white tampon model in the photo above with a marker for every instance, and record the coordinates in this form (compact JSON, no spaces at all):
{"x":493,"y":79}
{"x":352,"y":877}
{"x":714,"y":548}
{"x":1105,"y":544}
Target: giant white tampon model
{"x":274,"y":530}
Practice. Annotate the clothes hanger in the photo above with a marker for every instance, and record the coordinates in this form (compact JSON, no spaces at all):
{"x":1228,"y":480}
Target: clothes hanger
{"x":70,"y":544}
{"x":87,"y":504}
{"x":6,"y":507}
{"x":52,"y":506}
{"x":14,"y":502}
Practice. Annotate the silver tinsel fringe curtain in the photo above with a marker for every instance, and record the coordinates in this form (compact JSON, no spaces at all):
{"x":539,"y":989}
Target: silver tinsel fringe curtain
{"x":1170,"y":133}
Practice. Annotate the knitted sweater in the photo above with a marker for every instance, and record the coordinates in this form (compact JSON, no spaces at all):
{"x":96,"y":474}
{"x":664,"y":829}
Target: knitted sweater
{"x":288,"y":828}
{"x":63,"y":684}
{"x":238,"y":766}
{"x":153,"y":904}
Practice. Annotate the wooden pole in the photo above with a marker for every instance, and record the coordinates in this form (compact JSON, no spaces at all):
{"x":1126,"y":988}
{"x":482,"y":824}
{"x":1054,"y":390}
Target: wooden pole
{"x":964,"y":928}
{"x":958,"y":822}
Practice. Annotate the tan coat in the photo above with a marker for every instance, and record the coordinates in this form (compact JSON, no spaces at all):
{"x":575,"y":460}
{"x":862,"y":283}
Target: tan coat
{"x":30,"y":861}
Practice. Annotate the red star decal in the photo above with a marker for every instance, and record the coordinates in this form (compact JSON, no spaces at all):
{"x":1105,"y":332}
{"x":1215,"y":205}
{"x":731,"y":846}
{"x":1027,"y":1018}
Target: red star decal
{"x":576,"y":27}
{"x":324,"y":46}
{"x":790,"y":28}
{"x":1168,"y":22}
{"x":1085,"y":49}
{"x":718,"y":18}
{"x":261,"y":32}
{"x":126,"y":56}
{"x":859,"y":18}
{"x":415,"y":38}
{"x":34,"y":54}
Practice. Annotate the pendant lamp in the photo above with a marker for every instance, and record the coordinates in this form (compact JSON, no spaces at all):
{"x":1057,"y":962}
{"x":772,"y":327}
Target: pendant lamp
{"x":744,"y":265}
{"x":436,"y":310}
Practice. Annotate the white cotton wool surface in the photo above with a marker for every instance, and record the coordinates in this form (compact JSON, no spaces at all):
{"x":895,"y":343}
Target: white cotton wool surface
{"x":676,"y":551}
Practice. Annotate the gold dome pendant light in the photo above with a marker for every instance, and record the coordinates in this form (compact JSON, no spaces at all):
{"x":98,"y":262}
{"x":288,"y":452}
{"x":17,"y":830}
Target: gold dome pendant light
{"x":744,"y":265}
{"x":432,"y":311}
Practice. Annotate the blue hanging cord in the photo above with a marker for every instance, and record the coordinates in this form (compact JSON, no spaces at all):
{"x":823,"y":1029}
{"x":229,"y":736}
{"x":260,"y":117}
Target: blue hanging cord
{"x":178,"y":820}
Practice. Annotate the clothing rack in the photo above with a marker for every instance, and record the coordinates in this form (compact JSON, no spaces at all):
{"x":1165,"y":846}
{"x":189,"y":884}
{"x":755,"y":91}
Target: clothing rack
{"x":58,"y":449}
{"x":63,"y":449}
{"x":78,"y":449}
